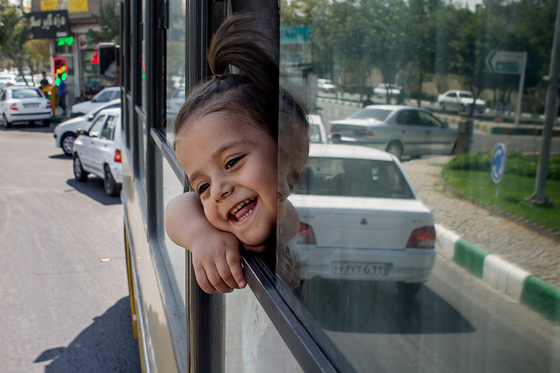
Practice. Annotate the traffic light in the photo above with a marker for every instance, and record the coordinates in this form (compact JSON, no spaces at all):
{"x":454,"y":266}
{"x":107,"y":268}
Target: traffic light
{"x":60,"y":70}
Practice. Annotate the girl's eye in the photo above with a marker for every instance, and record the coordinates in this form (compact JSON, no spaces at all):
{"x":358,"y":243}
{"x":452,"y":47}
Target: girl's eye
{"x":232,"y":162}
{"x":202,"y":188}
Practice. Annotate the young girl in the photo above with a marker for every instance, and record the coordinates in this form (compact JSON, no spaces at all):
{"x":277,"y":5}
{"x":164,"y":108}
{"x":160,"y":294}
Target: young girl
{"x":226,"y":140}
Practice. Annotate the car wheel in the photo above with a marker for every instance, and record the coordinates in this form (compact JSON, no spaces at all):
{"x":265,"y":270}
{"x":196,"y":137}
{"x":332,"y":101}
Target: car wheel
{"x":111,"y":187}
{"x":67,"y":143}
{"x":408,"y":290}
{"x":79,"y":172}
{"x":47,"y":122}
{"x":442,"y":106}
{"x":5,"y":120}
{"x":395,"y":149}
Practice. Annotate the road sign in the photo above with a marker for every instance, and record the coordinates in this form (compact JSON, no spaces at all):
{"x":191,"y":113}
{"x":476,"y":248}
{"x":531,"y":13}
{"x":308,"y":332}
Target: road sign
{"x":498,"y":165}
{"x":503,"y":62}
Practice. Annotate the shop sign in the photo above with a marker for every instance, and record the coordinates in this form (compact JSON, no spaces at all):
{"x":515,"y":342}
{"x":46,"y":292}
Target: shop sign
{"x":46,"y":25}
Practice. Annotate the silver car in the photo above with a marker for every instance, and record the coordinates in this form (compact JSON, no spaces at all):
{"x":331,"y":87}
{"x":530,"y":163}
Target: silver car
{"x":399,"y":130}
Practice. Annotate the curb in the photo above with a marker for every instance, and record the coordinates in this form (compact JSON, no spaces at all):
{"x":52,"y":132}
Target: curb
{"x":499,"y":274}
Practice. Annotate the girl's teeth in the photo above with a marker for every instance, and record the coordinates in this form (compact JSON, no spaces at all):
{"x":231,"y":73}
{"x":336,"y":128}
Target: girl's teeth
{"x":244,"y":216}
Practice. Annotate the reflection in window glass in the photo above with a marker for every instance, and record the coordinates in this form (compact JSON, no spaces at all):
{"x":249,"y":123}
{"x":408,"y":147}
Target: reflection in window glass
{"x":378,"y":289}
{"x":175,"y":62}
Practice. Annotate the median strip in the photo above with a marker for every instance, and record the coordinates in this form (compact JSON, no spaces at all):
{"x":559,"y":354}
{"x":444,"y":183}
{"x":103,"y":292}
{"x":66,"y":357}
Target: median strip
{"x":500,"y":274}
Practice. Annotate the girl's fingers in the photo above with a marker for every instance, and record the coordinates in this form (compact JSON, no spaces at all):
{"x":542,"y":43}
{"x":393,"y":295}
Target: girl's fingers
{"x":234,"y":265}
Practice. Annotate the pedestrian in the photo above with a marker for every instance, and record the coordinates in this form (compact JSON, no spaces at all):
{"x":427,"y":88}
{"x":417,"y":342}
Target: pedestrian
{"x":367,"y":101}
{"x":44,"y":82}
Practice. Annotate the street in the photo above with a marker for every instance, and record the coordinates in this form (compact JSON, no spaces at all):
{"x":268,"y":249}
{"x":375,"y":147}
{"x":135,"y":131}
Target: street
{"x":63,"y":285}
{"x":65,"y":304}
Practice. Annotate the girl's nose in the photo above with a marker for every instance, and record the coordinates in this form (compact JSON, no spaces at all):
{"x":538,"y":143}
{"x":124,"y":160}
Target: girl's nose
{"x":221,"y":189}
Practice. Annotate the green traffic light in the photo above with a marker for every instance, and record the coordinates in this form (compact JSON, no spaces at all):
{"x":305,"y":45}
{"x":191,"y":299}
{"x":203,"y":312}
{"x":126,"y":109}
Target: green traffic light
{"x":57,"y":82}
{"x":64,"y":76}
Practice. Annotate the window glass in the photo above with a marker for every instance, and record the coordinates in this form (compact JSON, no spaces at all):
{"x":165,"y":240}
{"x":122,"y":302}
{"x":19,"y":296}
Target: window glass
{"x":26,"y":93}
{"x":175,"y":62}
{"x":108,"y":131}
{"x":427,"y":120}
{"x":414,"y":239}
{"x":96,"y":126}
{"x":103,"y":97}
{"x":142,"y":47}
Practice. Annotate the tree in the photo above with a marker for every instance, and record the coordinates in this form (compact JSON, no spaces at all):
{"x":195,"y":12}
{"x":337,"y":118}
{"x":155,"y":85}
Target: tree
{"x":109,"y":23}
{"x":14,"y":32}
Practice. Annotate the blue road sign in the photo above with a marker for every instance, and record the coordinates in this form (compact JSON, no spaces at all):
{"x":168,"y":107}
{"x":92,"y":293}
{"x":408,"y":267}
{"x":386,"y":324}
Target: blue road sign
{"x":498,"y":165}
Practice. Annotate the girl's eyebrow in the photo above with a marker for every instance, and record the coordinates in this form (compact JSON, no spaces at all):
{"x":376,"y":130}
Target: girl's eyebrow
{"x":229,"y":145}
{"x":219,"y":152}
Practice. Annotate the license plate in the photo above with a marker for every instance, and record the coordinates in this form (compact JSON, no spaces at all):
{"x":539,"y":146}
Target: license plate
{"x":348,"y":132}
{"x":358,"y":268}
{"x":27,"y":106}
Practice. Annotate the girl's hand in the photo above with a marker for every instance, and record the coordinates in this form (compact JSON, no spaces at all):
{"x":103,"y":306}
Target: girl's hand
{"x":217,"y":262}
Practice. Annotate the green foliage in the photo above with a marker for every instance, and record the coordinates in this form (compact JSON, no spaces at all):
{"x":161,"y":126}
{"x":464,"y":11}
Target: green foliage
{"x":517,"y":163}
{"x":109,"y":23}
{"x":418,"y":40}
{"x":513,"y":190}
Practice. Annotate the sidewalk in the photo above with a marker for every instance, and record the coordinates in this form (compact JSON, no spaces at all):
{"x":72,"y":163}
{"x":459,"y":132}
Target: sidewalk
{"x":509,"y":257}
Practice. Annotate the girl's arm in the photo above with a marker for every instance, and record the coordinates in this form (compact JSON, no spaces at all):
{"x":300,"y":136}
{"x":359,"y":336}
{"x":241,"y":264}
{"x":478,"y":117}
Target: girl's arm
{"x":215,"y":254}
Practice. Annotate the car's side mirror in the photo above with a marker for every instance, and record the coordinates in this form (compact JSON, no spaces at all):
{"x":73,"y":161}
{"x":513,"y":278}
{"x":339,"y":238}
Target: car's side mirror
{"x":90,"y":117}
{"x":81,"y":132}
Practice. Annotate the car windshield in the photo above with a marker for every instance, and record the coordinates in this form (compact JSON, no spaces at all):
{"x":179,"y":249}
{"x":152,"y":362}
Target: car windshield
{"x":465,"y":95}
{"x":372,"y":113}
{"x":26,"y":93}
{"x":350,"y":177}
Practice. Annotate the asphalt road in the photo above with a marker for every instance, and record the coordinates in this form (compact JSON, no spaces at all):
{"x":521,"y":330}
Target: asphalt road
{"x":64,"y":298}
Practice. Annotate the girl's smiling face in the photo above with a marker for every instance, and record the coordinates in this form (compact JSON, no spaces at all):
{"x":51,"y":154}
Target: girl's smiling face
{"x":232,"y":165}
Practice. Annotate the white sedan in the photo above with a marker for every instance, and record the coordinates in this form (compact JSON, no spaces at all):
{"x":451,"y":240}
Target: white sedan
{"x":360,"y":219}
{"x":106,"y":95}
{"x":382,"y":89}
{"x":24,"y":104}
{"x":399,"y":130}
{"x":66,"y":132}
{"x":98,"y":151}
{"x":460,"y":101}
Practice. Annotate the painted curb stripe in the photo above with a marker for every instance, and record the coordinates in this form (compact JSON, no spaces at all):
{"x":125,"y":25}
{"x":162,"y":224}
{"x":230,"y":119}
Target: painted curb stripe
{"x":542,"y":297}
{"x":445,"y":241}
{"x":469,"y":256}
{"x":504,"y":276}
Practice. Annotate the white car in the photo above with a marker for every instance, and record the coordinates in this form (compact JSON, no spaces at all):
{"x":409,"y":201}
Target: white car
{"x":98,"y":151}
{"x":21,"y":81}
{"x":360,"y":219}
{"x":104,"y":96}
{"x":317,"y":133}
{"x":399,"y":130}
{"x":382,"y":89}
{"x":66,"y":132}
{"x":24,"y":104}
{"x":325,"y":85}
{"x":460,"y":101}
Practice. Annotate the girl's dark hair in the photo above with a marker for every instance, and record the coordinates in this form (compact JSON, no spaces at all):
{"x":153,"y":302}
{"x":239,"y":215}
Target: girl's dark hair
{"x":252,"y":91}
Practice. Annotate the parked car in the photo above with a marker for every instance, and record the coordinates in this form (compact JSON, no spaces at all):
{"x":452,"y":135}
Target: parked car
{"x":104,"y":96}
{"x":21,"y":81}
{"x":98,"y":151}
{"x":326,"y":85}
{"x":317,"y":133}
{"x":24,"y":104}
{"x":382,"y":89}
{"x":360,"y":219}
{"x":399,"y":130}
{"x":66,"y":132}
{"x":460,"y":101}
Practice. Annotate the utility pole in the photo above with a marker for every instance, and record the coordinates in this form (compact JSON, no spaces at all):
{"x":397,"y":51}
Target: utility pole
{"x":539,"y":195}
